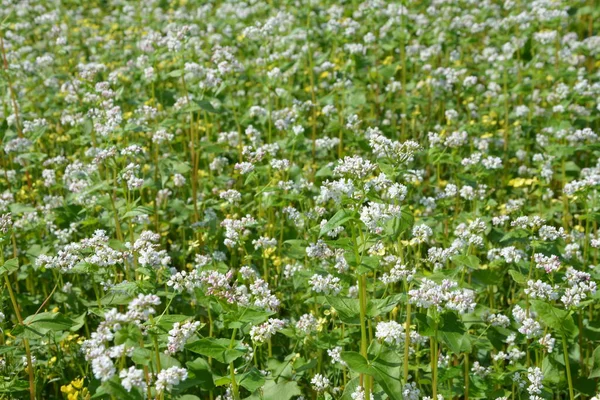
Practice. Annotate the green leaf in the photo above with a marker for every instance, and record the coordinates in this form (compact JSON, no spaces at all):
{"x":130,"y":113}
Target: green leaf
{"x":13,"y":386}
{"x":251,"y":316}
{"x":282,"y":390}
{"x":200,"y":105}
{"x":386,"y":369}
{"x":452,"y":332}
{"x":78,"y":322}
{"x":166,"y":322}
{"x":557,"y":319}
{"x":595,"y":368}
{"x":377,"y":307}
{"x":217,"y":349}
{"x":340,"y":218}
{"x":350,"y":388}
{"x":139,"y":210}
{"x":252,"y":380}
{"x":295,"y":248}
{"x":398,"y":225}
{"x":518,"y":277}
{"x":10,"y":266}
{"x":175,"y":73}
{"x":457,"y":342}
{"x":356,"y":362}
{"x":114,"y":388}
{"x":202,"y":373}
{"x":469,"y":261}
{"x":48,"y":321}
{"x":348,"y":309}
{"x":167,"y":361}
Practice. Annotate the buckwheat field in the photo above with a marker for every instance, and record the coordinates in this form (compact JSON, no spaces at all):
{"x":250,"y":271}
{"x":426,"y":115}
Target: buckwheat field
{"x":299,"y":199}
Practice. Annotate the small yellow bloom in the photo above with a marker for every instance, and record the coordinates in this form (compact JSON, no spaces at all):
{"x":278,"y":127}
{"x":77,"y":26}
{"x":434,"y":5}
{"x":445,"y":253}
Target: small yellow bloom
{"x":520,"y":182}
{"x":77,"y":383}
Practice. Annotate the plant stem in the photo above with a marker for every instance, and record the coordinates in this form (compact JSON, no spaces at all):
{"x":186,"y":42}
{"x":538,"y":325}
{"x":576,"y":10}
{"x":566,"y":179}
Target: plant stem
{"x":407,"y":337}
{"x":234,"y":386}
{"x":434,"y":360}
{"x":15,"y":305}
{"x":362,"y":293}
{"x":568,"y":366}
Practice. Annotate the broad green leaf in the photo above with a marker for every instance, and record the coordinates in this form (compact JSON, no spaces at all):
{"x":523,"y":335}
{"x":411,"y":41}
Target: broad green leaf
{"x":139,"y":210}
{"x":595,"y":367}
{"x":48,"y":321}
{"x":350,"y":388}
{"x":10,"y":266}
{"x":282,"y":390}
{"x":377,"y":307}
{"x":386,"y":369}
{"x":469,"y":261}
{"x":202,"y":373}
{"x":252,"y":380}
{"x":348,"y":309}
{"x":217,"y":349}
{"x":115,"y":388}
{"x":398,"y":225}
{"x":518,"y":277}
{"x":339,"y":219}
{"x":557,"y":319}
{"x":356,"y":361}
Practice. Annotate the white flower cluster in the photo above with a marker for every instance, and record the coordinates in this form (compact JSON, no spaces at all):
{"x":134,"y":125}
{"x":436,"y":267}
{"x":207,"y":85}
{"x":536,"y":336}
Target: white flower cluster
{"x":95,"y":349}
{"x":179,"y":335}
{"x":446,"y":295}
{"x":529,"y":326}
{"x":167,"y":378}
{"x":262,"y":333}
{"x":325,"y":284}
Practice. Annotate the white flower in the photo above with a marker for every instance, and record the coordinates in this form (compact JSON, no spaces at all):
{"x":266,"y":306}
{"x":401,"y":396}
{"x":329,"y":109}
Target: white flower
{"x":179,"y":335}
{"x":167,"y":378}
{"x":320,"y":383}
{"x":132,"y":377}
{"x":325,"y":284}
{"x":390,"y":332}
{"x":103,"y":368}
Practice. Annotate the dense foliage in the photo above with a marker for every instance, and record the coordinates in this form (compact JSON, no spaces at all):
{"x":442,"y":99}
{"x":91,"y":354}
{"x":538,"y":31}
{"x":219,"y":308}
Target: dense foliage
{"x":310,"y":199}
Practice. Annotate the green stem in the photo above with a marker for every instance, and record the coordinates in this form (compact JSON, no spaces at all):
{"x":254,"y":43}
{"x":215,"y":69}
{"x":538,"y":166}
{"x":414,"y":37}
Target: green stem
{"x":407,"y":337}
{"x":234,"y":386}
{"x":434,"y":360}
{"x":362,"y":293}
{"x":568,"y":366}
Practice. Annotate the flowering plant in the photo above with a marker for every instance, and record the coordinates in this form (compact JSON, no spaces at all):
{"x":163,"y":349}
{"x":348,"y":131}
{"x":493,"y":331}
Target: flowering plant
{"x":280,"y":200}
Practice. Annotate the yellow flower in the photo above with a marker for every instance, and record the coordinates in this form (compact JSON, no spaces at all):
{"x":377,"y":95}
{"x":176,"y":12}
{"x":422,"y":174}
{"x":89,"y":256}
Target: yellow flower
{"x":276,"y":261}
{"x":268,"y":252}
{"x":77,"y":383}
{"x":520,"y":182}
{"x":67,"y":389}
{"x":321,"y":323}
